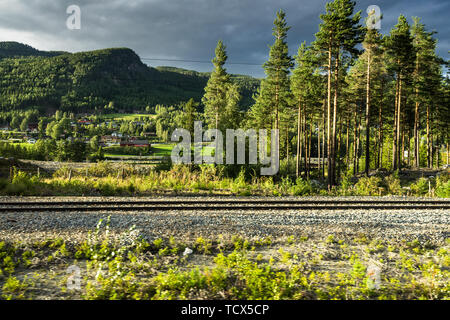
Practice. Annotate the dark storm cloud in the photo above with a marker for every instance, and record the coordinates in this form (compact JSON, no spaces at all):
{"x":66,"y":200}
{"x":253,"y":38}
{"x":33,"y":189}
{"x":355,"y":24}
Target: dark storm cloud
{"x":189,"y":29}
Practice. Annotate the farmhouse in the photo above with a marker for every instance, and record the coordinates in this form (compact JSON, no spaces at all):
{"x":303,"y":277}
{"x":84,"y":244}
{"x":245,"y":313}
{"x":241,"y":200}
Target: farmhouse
{"x":33,"y":127}
{"x":85,"y":121}
{"x":135,"y":143}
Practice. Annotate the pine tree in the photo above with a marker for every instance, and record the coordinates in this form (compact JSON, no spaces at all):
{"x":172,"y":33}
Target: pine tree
{"x":305,"y":87}
{"x":372,"y":45}
{"x":274,"y":94}
{"x":260,"y":115}
{"x":427,"y":77}
{"x":400,"y":49}
{"x":338,"y":36}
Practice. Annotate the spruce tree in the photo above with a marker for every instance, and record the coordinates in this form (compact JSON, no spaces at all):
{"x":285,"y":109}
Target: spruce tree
{"x":189,"y":115}
{"x":215,"y":95}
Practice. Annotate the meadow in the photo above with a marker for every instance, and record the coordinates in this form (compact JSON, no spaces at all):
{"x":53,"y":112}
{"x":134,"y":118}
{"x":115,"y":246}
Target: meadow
{"x":105,"y":179}
{"x":128,"y":266}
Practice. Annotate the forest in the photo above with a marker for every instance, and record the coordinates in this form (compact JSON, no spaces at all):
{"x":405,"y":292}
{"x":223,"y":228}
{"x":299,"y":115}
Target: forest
{"x":351,"y":101}
{"x":90,"y":81}
{"x":361,"y":100}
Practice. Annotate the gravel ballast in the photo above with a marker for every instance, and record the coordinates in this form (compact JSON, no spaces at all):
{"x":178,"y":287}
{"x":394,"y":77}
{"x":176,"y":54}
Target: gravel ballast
{"x":428,"y":225}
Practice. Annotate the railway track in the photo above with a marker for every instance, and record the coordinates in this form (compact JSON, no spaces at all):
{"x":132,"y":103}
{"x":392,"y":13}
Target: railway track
{"x":223,"y":204}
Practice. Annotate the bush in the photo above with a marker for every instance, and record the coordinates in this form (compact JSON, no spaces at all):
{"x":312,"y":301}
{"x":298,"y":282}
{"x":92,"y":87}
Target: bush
{"x":302,"y":187}
{"x":420,"y":188}
{"x":367,"y":186}
{"x":443,"y":185}
{"x":393,"y":185}
{"x":346,"y":186}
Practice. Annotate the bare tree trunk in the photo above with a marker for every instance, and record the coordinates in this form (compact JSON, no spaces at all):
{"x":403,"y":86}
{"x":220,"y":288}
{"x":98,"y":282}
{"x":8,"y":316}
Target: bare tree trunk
{"x":305,"y":138}
{"x":431,"y":140}
{"x":318,"y":149}
{"x":416,"y":132}
{"x":276,"y":109}
{"x":329,"y":154}
{"x":323,"y":141}
{"x":338,"y":156}
{"x":367,"y":167}
{"x":309,"y":149}
{"x":428,"y":136}
{"x":448,"y":154}
{"x":346,"y":145}
{"x":409,"y":148}
{"x":355,"y":132}
{"x":358,"y":144}
{"x":402,"y":152}
{"x":297,"y":171}
{"x":437,"y":151}
{"x":380,"y":137}
{"x":394,"y":139}
{"x":380,"y":131}
{"x":335,"y":110}
{"x":287,"y":145}
{"x":399,"y":113}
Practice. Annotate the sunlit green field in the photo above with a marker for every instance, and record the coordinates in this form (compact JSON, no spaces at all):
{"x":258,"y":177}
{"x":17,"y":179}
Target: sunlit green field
{"x":166,"y":149}
{"x":127,"y":266}
{"x":126,"y":116}
{"x":162,"y":149}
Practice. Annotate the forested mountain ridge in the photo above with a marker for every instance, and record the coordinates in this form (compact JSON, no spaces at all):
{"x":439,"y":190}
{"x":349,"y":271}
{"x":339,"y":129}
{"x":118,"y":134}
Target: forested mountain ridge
{"x":89,"y":81}
{"x":12,"y":49}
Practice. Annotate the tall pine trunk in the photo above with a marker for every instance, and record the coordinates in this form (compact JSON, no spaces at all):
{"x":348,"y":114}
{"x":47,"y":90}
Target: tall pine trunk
{"x":399,"y":113}
{"x":329,"y":144}
{"x":318,"y":149}
{"x":305,"y":138}
{"x":368,"y":115}
{"x":358,"y":142}
{"x":298,"y":140}
{"x":338,"y":155}
{"x":347,"y":146}
{"x":309,"y":149}
{"x":323,"y":140}
{"x":355,"y":132}
{"x":380,"y":131}
{"x":394,"y":136}
{"x":416,"y":124}
{"x":428,"y":136}
{"x":335,"y":108}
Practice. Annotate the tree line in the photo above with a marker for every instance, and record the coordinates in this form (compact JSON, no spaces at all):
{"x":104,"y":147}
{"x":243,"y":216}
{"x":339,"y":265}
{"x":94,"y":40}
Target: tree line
{"x":352,"y":94}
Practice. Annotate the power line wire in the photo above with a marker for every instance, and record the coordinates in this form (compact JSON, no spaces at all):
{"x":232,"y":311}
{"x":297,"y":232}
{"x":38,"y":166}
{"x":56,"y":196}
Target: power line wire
{"x":202,"y":61}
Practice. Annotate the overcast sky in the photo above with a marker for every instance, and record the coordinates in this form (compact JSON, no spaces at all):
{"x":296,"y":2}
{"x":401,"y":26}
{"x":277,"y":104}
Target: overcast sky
{"x":189,"y":29}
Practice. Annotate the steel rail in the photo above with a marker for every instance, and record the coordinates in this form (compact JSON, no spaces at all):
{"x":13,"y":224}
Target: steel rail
{"x":226,"y":205}
{"x":222,"y":201}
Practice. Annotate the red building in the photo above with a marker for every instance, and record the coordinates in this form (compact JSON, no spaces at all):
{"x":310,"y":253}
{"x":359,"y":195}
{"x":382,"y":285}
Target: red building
{"x":135,"y":143}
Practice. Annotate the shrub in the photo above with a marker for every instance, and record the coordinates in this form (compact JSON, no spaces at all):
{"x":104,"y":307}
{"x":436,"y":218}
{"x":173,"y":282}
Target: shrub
{"x":367,"y":186}
{"x":393,"y":184}
{"x":443,"y":185}
{"x":420,"y":188}
{"x":302,"y":187}
{"x":345,"y":188}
